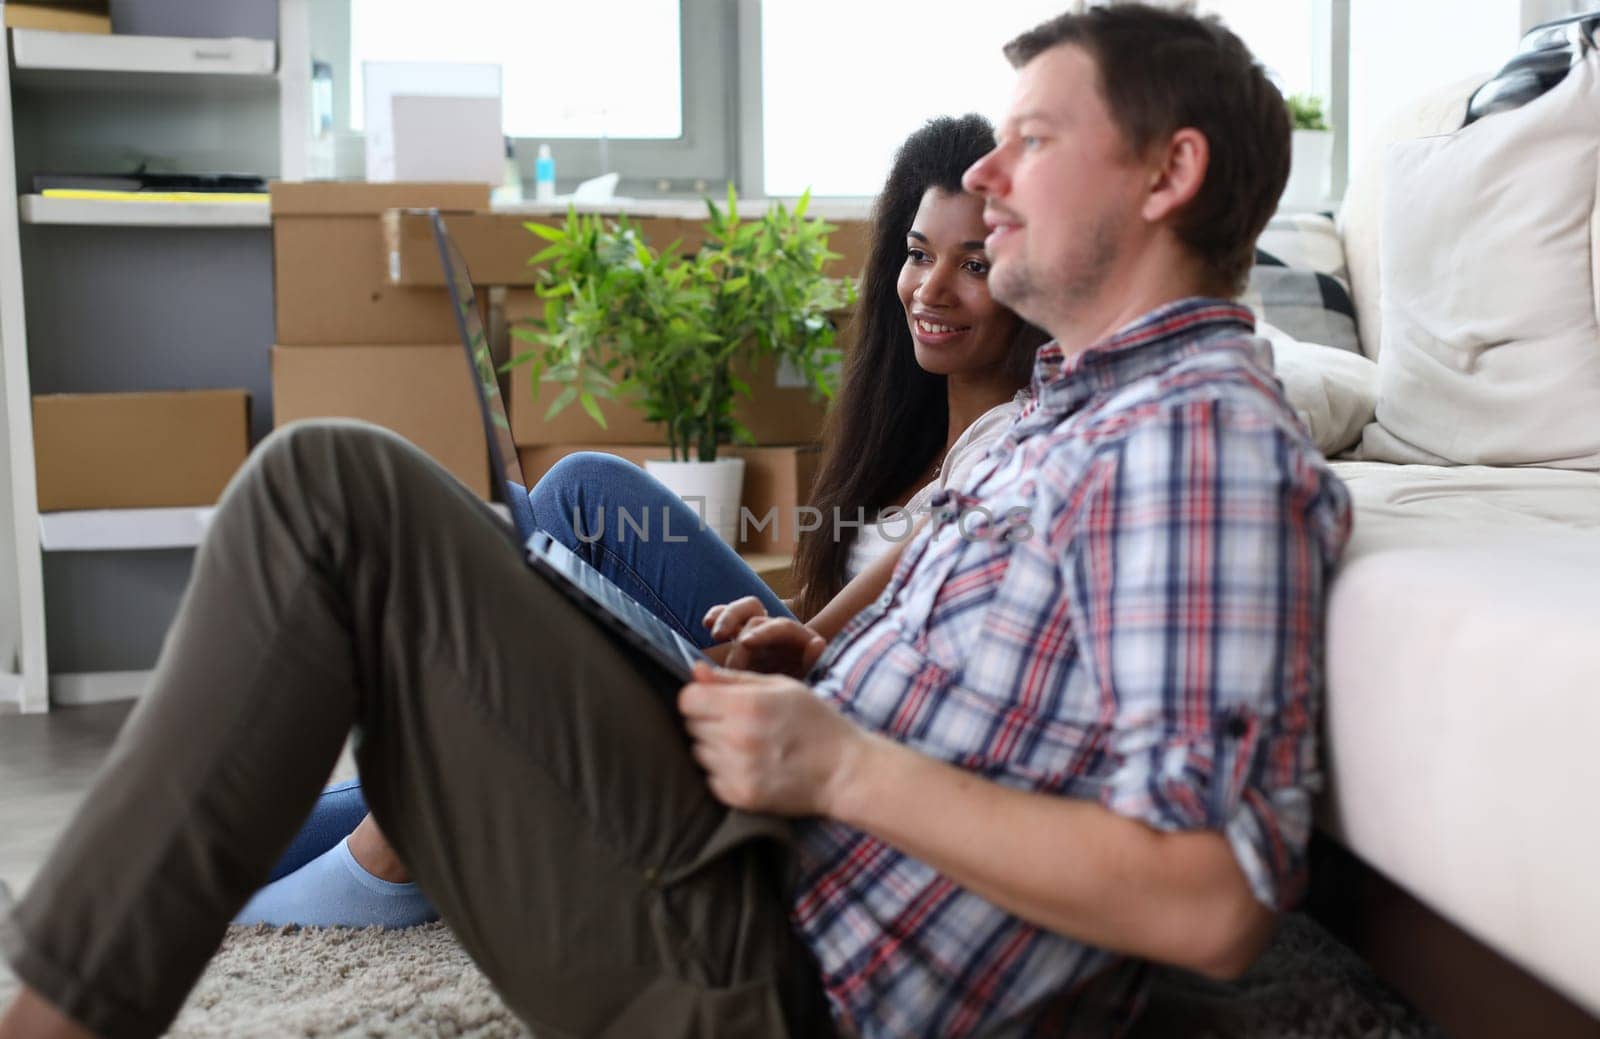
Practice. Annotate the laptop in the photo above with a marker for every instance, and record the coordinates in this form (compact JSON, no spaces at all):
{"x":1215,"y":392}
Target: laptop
{"x":549,"y":558}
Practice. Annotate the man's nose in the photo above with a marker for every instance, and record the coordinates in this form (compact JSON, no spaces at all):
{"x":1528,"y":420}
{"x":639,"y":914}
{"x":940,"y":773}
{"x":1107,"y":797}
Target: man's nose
{"x":983,"y":176}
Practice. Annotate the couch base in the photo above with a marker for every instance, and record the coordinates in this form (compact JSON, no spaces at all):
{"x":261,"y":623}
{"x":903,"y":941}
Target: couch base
{"x":1461,"y":984}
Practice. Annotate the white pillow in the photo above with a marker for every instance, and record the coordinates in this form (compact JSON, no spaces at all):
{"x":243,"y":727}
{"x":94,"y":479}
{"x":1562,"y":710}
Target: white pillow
{"x":1438,"y":111}
{"x":1491,"y":310}
{"x":1332,"y":391}
{"x":1308,"y":240}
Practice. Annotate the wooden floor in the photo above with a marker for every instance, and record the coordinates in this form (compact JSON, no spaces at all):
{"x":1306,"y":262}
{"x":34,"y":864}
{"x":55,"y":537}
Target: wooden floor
{"x":47,"y":762}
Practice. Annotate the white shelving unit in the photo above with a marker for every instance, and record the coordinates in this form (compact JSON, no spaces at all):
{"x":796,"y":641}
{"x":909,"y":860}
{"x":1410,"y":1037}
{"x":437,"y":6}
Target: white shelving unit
{"x":123,"y":530}
{"x":131,"y":530}
{"x":41,"y":209}
{"x":88,"y":55}
{"x":255,"y":72}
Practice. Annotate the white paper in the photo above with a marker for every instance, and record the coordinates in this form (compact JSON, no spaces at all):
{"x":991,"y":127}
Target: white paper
{"x":448,"y":138}
{"x":383,"y":80}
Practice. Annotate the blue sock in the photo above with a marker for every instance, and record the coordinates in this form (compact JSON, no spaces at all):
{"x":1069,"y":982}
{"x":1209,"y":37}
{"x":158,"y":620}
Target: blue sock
{"x":333,"y":890}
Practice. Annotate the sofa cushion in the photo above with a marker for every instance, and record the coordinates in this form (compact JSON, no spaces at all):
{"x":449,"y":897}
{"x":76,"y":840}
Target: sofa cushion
{"x":1461,"y":702}
{"x":1491,"y":346}
{"x":1297,"y":283}
{"x":1332,"y":391}
{"x":1306,"y":240}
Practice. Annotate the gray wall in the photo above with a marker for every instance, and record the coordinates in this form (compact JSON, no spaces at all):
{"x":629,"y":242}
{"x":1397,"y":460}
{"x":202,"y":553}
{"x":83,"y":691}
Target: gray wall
{"x":112,"y":309}
{"x":109,"y":611}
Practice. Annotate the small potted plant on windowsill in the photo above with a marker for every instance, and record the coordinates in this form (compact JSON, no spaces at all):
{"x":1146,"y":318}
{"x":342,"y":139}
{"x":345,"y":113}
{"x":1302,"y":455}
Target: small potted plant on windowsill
{"x":671,"y":332}
{"x":1311,"y":153}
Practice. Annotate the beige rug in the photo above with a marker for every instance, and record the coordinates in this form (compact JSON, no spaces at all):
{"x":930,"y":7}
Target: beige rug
{"x":315,"y":982}
{"x":372,"y":983}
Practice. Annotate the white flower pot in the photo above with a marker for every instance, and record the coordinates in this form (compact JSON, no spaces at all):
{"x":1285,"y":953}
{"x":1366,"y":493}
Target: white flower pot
{"x":711,"y":489}
{"x":1309,"y":166}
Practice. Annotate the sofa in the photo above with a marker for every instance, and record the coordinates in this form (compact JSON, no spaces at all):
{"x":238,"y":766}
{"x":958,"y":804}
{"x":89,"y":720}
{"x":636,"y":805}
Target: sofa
{"x":1463,"y":648}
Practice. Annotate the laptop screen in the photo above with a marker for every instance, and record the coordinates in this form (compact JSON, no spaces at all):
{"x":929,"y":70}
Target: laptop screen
{"x":505,"y":467}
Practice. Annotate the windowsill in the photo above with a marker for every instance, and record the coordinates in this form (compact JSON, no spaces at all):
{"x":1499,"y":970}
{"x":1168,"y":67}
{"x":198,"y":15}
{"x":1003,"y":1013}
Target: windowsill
{"x":689,"y":209}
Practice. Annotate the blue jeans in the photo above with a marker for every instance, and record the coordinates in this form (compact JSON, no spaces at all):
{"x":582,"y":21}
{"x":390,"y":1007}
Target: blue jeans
{"x":641,"y":536}
{"x":623,"y":522}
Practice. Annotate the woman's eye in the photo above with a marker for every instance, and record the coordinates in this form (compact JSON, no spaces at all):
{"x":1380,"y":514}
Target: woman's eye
{"x":977,"y":267}
{"x":916,"y":255}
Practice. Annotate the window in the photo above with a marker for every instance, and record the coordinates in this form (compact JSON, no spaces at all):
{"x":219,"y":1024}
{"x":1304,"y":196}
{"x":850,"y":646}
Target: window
{"x":833,"y":123}
{"x":1399,"y":52}
{"x":643,"y":88}
{"x":837,"y":101}
{"x":1284,"y":36}
{"x":567,"y":71}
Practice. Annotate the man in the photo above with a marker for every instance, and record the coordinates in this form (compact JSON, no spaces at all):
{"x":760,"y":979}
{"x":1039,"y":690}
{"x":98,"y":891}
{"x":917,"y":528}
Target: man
{"x":1073,"y":734}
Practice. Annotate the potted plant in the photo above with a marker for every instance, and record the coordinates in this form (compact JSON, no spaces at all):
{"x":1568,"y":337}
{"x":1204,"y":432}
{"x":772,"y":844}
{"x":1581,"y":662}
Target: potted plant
{"x":670,"y":332}
{"x":1311,"y":153}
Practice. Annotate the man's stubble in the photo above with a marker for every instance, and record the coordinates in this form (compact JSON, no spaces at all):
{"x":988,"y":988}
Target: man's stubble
{"x":1049,"y":296}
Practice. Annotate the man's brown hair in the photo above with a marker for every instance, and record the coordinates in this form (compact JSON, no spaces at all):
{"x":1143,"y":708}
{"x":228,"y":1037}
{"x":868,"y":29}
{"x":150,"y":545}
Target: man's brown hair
{"x":1163,"y":70}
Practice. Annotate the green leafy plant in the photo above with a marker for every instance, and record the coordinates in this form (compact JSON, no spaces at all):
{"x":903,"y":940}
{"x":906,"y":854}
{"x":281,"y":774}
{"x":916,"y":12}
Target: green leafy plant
{"x":1305,"y":112}
{"x":669,"y":332}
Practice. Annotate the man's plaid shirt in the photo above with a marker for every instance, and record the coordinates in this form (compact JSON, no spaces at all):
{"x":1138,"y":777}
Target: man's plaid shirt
{"x":1134,"y":617}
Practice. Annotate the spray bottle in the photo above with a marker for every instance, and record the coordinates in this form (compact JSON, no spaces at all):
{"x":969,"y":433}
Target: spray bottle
{"x":544,"y":175}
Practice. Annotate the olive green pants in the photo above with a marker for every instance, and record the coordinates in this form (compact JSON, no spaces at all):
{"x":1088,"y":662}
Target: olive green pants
{"x":531,"y":771}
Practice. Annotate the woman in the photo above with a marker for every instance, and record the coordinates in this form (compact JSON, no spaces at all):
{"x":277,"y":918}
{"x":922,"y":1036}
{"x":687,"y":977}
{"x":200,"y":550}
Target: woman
{"x":933,"y":379}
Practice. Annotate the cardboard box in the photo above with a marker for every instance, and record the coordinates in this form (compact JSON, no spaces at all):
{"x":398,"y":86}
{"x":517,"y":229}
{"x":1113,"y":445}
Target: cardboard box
{"x":778,"y":411}
{"x":421,"y":392}
{"x":138,"y":450}
{"x":527,"y":404}
{"x":852,"y":240}
{"x":331,"y":285}
{"x":93,"y":18}
{"x":777,"y":481}
{"x":775,"y":568}
{"x":497,"y":246}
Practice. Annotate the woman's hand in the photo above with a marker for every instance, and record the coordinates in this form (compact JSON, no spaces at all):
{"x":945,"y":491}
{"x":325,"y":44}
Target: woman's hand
{"x":768,"y":743}
{"x":729,"y":619}
{"x":757,"y":642}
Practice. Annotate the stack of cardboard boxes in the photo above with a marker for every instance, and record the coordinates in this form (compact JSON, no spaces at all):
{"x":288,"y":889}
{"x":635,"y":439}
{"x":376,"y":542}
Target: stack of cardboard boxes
{"x":351,"y":344}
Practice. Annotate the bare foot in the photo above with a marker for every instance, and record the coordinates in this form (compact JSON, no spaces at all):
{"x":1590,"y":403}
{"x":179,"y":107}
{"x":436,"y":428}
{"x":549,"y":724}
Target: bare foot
{"x":373,"y":853}
{"x":31,"y":1016}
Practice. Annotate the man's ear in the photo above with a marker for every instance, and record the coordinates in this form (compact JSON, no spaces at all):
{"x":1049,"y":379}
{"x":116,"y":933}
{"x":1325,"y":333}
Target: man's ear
{"x":1177,"y":171}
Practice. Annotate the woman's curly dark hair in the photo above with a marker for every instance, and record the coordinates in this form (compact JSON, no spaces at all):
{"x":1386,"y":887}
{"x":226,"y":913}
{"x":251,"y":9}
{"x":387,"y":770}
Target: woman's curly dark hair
{"x":891,"y":417}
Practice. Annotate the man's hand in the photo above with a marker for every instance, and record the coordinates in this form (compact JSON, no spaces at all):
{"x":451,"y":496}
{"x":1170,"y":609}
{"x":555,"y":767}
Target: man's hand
{"x":770,"y":645}
{"x":767,"y":742}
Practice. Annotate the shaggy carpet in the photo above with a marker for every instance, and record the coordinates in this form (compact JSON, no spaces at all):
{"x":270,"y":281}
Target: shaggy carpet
{"x":327,"y":983}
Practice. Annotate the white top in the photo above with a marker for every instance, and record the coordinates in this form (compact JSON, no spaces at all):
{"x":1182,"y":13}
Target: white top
{"x":873,"y":540}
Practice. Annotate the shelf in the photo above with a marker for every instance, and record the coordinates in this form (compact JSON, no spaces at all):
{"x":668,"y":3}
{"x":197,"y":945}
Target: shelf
{"x":38,"y":209}
{"x":110,"y":62}
{"x":113,"y":530}
{"x":133,"y":530}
